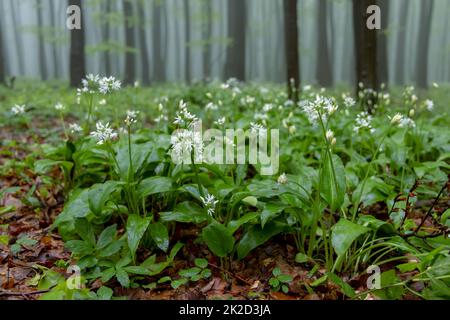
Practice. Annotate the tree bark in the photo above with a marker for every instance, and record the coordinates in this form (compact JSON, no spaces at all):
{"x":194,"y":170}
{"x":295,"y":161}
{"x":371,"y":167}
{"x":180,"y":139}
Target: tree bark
{"x":324,"y":72}
{"x":207,"y":34}
{"x":383,"y":71}
{"x":187,"y":45}
{"x":235,"y":65}
{"x":130,"y":42}
{"x":158,"y":64}
{"x":291,"y":48}
{"x":77,"y":55}
{"x":400,"y":56}
{"x":42,"y":61}
{"x":143,"y":48}
{"x":365,"y":46}
{"x":2,"y":60}
{"x":423,"y":43}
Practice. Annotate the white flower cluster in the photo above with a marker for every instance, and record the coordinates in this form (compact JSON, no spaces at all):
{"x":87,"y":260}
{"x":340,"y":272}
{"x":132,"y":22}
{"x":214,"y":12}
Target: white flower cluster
{"x":402,"y":121}
{"x":363,"y":121}
{"x":209,"y":202}
{"x":131,"y":117}
{"x":75,"y":128}
{"x":429,"y":104}
{"x":185,"y":141}
{"x":220,"y":121}
{"x":93,"y":83}
{"x":211,"y":106}
{"x":321,"y":106}
{"x":18,"y":109}
{"x":330,"y":137}
{"x":103,"y":133}
{"x":183,"y":117}
{"x":59,"y":106}
{"x":257,"y":128}
{"x":282,"y":179}
{"x":349,"y":102}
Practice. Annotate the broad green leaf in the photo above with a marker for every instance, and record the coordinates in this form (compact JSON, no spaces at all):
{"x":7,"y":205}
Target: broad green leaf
{"x":201,"y":263}
{"x":179,"y":282}
{"x":122,"y":277}
{"x":234,"y":225}
{"x":85,"y":231}
{"x":104,"y":293}
{"x":187,"y":212}
{"x":100,"y":193}
{"x":79,"y":248}
{"x":388,"y":291}
{"x":332,"y":181}
{"x":154,"y":185}
{"x":344,"y":233}
{"x":160,"y":234}
{"x":187,"y":273}
{"x":270,"y":211}
{"x":136,"y":227}
{"x":345,"y":287}
{"x":107,"y":236}
{"x":219,"y":239}
{"x":110,"y":249}
{"x":301,"y":258}
{"x":256,"y":236}
{"x":43,"y":166}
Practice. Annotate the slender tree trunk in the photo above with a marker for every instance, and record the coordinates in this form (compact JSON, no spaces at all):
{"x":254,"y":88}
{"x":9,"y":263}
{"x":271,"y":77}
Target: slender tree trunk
{"x":365,"y":47}
{"x":235,"y":65}
{"x":291,"y":48}
{"x":423,"y":43}
{"x":42,"y":60}
{"x":130,"y":42}
{"x":207,"y":35}
{"x":106,"y":35}
{"x":144,"y":49}
{"x":324,"y":72}
{"x":77,"y":56}
{"x":187,"y":45}
{"x":158,"y":64}
{"x":401,"y":43}
{"x":383,"y":71}
{"x":2,"y":60}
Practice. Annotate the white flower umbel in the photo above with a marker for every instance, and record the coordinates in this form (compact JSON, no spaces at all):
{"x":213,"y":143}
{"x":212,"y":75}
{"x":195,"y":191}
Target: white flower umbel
{"x":395,"y":120}
{"x":183,"y":117}
{"x":363,"y":121}
{"x":220,"y":121}
{"x":349,"y":102}
{"x":406,"y":122}
{"x":131,"y":117}
{"x":59,"y":106}
{"x":257,"y":128}
{"x":108,"y":84}
{"x":210,"y":202}
{"x":211,"y":106}
{"x":322,"y":106}
{"x":103,"y":133}
{"x":185,"y":141}
{"x":282,"y":179}
{"x":75,"y":128}
{"x":18,"y":109}
{"x":429,"y":104}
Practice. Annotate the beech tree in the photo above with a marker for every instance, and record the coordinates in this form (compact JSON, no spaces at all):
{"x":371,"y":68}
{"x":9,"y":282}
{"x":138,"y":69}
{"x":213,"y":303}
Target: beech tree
{"x":324,"y":71}
{"x":77,"y":55}
{"x":235,"y":65}
{"x":130,"y":42}
{"x":426,"y":12}
{"x":291,"y":48}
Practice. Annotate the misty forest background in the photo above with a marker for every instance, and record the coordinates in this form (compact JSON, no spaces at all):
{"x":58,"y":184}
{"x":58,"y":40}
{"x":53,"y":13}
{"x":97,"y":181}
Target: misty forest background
{"x":156,"y":41}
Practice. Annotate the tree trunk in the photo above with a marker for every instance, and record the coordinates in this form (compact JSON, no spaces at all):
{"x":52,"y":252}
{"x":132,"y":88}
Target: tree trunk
{"x":423,"y":43}
{"x":158,"y":64}
{"x":42,"y":61}
{"x":106,"y":35}
{"x":207,"y":34}
{"x":291,"y":48}
{"x":383,"y":72}
{"x":365,"y":47}
{"x":236,"y":55}
{"x":2,"y":60}
{"x":130,"y":42}
{"x":187,"y":45}
{"x":144,"y":49}
{"x":400,"y":57}
{"x":324,"y":70}
{"x":77,"y":56}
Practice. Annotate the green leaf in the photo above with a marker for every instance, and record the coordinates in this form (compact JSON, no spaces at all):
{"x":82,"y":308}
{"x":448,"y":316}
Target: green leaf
{"x":256,"y":236}
{"x":187,"y":212}
{"x":344,"y":233}
{"x":274,"y":282}
{"x":174,"y":251}
{"x":179,"y":282}
{"x":345,"y":287}
{"x":122,"y":277}
{"x":136,"y":227}
{"x":159,"y":233}
{"x":276,"y":272}
{"x":85,"y":231}
{"x":271,"y":210}
{"x":26,"y":241}
{"x":79,"y":248}
{"x":234,"y":225}
{"x":110,"y":249}
{"x":154,"y":185}
{"x":137,"y":270}
{"x":104,"y":293}
{"x":43,"y":166}
{"x":99,"y":194}
{"x":332,"y":186}
{"x":219,"y":239}
{"x":250,"y":200}
{"x":285,"y":278}
{"x":387,"y":291}
{"x":206,"y":273}
{"x":107,"y":236}
{"x":187,"y":273}
{"x":201,"y":263}
{"x":164,"y":279}
{"x":301,"y":258}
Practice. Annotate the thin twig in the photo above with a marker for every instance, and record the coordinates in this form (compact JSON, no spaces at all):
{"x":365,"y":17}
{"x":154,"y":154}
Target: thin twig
{"x":9,"y":293}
